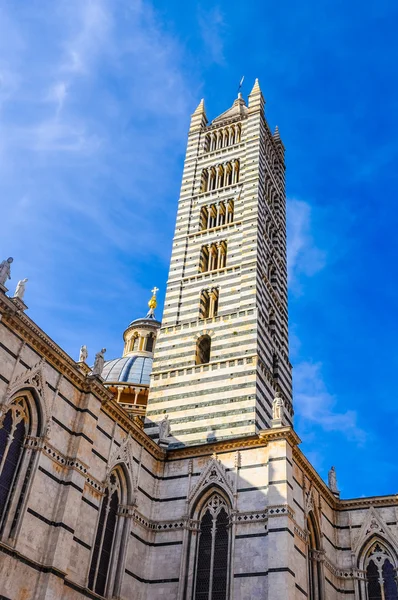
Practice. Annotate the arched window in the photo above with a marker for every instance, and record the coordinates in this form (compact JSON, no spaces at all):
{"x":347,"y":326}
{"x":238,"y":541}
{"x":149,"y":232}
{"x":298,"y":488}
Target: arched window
{"x":204,"y":260}
{"x":380,"y":574}
{"x":150,"y":340}
{"x":133,"y":342}
{"x":105,"y":536}
{"x":12,"y":436}
{"x":211,"y":573}
{"x":208,"y":304}
{"x":204,"y":215}
{"x":204,"y":184}
{"x":315,"y":576}
{"x":203,"y":347}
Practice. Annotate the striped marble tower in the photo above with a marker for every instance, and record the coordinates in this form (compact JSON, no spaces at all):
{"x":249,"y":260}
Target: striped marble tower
{"x":222,"y":353}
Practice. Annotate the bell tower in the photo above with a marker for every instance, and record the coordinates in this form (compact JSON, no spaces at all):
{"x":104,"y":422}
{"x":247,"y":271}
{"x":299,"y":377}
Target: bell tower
{"x":222,"y":352}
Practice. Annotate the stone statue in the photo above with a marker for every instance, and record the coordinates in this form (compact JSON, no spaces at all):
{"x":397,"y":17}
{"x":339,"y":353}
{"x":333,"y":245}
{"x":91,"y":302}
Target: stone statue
{"x":20,"y":289}
{"x":83,"y":354}
{"x":278,"y":406}
{"x":99,"y":362}
{"x":332,"y":481}
{"x":5,"y":270}
{"x":164,"y":428}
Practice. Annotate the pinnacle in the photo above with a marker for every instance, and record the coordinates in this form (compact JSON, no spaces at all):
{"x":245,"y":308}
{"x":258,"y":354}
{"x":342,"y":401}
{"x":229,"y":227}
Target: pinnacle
{"x":277,"y":136}
{"x":256,"y":88}
{"x":200,"y":110}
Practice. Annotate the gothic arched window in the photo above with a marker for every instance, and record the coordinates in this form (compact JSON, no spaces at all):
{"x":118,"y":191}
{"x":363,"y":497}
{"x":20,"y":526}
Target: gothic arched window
{"x":203,"y":348}
{"x":105,"y":537}
{"x":380,"y":574}
{"x":14,"y":471}
{"x":314,"y":563}
{"x":211,"y":579}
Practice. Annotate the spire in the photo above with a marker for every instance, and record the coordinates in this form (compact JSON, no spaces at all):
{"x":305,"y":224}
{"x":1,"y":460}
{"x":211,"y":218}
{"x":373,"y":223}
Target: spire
{"x":152,"y":304}
{"x":256,"y":88}
{"x":256,"y":98}
{"x":198,"y":118}
{"x":278,"y":141}
{"x":200,"y":109}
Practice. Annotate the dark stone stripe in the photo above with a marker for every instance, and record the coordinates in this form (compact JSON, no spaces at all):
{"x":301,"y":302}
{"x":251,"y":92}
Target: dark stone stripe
{"x":161,"y":499}
{"x":278,"y":529}
{"x":251,"y":535}
{"x":300,"y":551}
{"x":90,"y":503}
{"x":205,"y":430}
{"x":275,"y":458}
{"x":253,"y":489}
{"x":10,"y":352}
{"x":155,"y":544}
{"x":84,"y":591}
{"x":4,"y":379}
{"x":334,"y":546}
{"x":106,"y":434}
{"x":282,"y":570}
{"x":297,"y":504}
{"x":30,"y":563}
{"x":188,"y":420}
{"x":281,"y":481}
{"x":99,"y":455}
{"x":75,"y":433}
{"x":77,"y":408}
{"x":48,"y":522}
{"x":142,"y":580}
{"x":258,"y":574}
{"x":60,"y":481}
{"x":338,"y":589}
{"x":82,"y":543}
{"x":300,"y":589}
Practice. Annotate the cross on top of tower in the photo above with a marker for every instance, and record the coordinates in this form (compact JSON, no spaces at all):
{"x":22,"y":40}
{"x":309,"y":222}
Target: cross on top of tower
{"x":152,"y":303}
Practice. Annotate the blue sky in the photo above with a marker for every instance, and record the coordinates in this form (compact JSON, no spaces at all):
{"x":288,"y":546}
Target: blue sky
{"x":95,"y":101}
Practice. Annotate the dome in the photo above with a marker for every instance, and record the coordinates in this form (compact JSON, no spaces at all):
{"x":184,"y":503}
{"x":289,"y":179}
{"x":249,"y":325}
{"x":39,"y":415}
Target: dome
{"x":128,"y":369}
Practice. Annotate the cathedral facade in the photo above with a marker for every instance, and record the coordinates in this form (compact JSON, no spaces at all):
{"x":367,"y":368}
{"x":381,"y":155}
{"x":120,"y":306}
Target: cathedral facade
{"x":175,"y":471}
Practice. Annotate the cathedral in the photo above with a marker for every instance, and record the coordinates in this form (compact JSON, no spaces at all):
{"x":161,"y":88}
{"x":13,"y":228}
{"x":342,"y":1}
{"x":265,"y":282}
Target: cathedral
{"x":174,"y":471}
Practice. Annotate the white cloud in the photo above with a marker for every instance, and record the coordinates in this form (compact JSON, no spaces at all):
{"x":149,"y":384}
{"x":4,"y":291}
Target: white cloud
{"x":316,"y":405}
{"x":95,"y":98}
{"x":303,"y":256}
{"x":212,"y":30}
{"x":57,"y":95}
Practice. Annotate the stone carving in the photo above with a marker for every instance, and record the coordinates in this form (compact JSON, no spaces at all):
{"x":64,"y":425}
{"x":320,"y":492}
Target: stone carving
{"x":33,"y":378}
{"x":213,"y":474}
{"x":373,"y":524}
{"x":164,"y":428}
{"x":124,"y":454}
{"x":278,"y":406}
{"x":5,"y":270}
{"x":99,"y":362}
{"x":83,"y":354}
{"x":309,"y":502}
{"x":20,"y":289}
{"x":332,"y":481}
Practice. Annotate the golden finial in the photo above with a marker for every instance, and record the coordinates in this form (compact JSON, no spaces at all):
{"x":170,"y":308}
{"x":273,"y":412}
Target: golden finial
{"x":152,"y":303}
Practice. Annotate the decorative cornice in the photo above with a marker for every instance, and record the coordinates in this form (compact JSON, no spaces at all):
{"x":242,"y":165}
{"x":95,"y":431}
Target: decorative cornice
{"x":114,"y":410}
{"x":217,"y":447}
{"x":368,"y":502}
{"x":280,"y":433}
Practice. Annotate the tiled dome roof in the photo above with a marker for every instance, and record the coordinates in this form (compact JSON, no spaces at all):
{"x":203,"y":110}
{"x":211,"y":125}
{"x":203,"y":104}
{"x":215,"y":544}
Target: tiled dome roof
{"x":129,"y":369}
